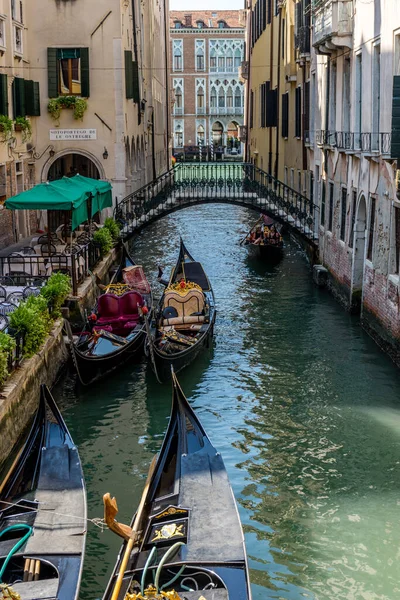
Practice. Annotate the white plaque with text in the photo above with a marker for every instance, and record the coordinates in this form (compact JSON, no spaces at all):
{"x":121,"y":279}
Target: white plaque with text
{"x":73,"y":134}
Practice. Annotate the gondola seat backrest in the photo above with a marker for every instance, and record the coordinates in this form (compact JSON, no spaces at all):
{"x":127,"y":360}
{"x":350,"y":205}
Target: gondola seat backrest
{"x":128,"y":304}
{"x":108,"y":308}
{"x":188,"y":307}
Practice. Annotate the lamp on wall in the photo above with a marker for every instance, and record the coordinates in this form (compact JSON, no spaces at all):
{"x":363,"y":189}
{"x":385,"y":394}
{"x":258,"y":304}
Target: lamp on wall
{"x":105,"y":153}
{"x":52,"y":152}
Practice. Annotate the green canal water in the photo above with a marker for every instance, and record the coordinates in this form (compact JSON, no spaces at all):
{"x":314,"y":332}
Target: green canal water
{"x":302,"y":405}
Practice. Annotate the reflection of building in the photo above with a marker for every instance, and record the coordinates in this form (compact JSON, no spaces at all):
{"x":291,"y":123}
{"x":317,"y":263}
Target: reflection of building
{"x":207,"y":94}
{"x":76,"y":60}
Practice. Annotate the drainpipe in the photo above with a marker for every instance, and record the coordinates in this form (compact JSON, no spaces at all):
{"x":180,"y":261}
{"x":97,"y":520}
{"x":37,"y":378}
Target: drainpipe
{"x":276,"y":167}
{"x":248,"y":95}
{"x":271,"y":74}
{"x":304,"y":149}
{"x":167,"y":104}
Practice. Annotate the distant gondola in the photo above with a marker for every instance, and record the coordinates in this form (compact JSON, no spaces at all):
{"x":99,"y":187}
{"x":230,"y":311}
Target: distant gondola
{"x":265,"y":241}
{"x":115,"y":330}
{"x":43,"y":512}
{"x":184,"y":323}
{"x":186,"y":538}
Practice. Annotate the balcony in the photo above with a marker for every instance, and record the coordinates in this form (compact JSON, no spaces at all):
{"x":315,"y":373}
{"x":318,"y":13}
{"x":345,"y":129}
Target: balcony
{"x":302,"y":40}
{"x":244,"y":70}
{"x":178,"y":110}
{"x":226,"y":110}
{"x":333,"y":25}
{"x":372,"y":144}
{"x":200,"y":110}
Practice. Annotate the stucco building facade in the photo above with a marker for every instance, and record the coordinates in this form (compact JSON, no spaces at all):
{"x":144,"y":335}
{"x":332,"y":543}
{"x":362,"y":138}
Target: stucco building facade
{"x":207,"y":99}
{"x":104,"y":57}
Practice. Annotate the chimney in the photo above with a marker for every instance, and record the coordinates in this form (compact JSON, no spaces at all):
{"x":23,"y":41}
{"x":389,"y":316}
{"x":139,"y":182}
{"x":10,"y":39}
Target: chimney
{"x":188,"y":20}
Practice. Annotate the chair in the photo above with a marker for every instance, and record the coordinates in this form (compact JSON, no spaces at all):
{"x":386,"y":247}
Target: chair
{"x":27,"y":250}
{"x":108,"y":309}
{"x":7,"y":281}
{"x":7,"y":307}
{"x":59,"y":264}
{"x":48,"y":249}
{"x":69,"y":250}
{"x":3,"y":322}
{"x":3,"y":293}
{"x":15,"y":297}
{"x":31,"y":291}
{"x":20,"y":277}
{"x":128,"y":305}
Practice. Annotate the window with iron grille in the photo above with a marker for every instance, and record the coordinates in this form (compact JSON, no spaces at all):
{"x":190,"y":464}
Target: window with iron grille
{"x":343,"y":208}
{"x":371,"y":228}
{"x":331,"y":193}
{"x":323,"y":198}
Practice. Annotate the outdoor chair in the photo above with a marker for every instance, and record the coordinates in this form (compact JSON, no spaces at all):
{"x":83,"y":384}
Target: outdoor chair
{"x":20,"y":277}
{"x":5,"y":280}
{"x":7,"y":308}
{"x":15,"y":297}
{"x":31,"y":291}
{"x":74,"y":249}
{"x":3,"y":322}
{"x":48,"y":249}
{"x":27,"y":250}
{"x":3,"y":293}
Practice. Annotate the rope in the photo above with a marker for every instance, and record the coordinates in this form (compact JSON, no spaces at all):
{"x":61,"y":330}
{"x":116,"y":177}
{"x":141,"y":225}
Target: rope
{"x":151,"y":348}
{"x":71,"y":344}
{"x":96,"y":521}
{"x":16,"y":546}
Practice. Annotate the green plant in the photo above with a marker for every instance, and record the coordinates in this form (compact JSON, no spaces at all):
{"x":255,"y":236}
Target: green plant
{"x":103,"y":238}
{"x":114,"y":228}
{"x":5,"y":127}
{"x":25,"y":125}
{"x":78,"y":104}
{"x":55,"y":292}
{"x":7,"y":345}
{"x":33,"y":321}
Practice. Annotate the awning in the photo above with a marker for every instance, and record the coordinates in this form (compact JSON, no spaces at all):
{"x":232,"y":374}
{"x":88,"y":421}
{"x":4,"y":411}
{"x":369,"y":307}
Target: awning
{"x":65,"y":194}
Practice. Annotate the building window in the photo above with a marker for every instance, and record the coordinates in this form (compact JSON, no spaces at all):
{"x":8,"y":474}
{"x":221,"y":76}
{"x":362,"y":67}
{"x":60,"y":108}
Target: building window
{"x":238,"y":98}
{"x":200,"y":53}
{"x":343,"y":208}
{"x":332,"y":97}
{"x":229,"y":64}
{"x":221,"y":64}
{"x":213,"y":62}
{"x":178,"y":24}
{"x":323,"y":198}
{"x":238,"y":59}
{"x":285,"y":115}
{"x":18,"y":40}
{"x":178,"y":99}
{"x":68,"y":72}
{"x":200,"y":135}
{"x":213,"y":98}
{"x":178,"y":133}
{"x":297,"y":131}
{"x":177,"y":51}
{"x":221,"y":98}
{"x":346,"y":96}
{"x":353,"y":218}
{"x":358,"y":107}
{"x":2,"y":34}
{"x":200,"y":62}
{"x":397,"y":239}
{"x":371,"y":229}
{"x":177,"y":61}
{"x":312,"y":109}
{"x":330,"y":216}
{"x":376,"y":96}
{"x":200,"y":24}
{"x":221,"y":24}
{"x":200,"y":100}
{"x":14,"y":9}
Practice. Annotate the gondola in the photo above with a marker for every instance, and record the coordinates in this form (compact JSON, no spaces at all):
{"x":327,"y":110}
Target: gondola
{"x":186,"y":539}
{"x":43,"y":512}
{"x":184,"y":323}
{"x":265,"y":241}
{"x":115,"y":331}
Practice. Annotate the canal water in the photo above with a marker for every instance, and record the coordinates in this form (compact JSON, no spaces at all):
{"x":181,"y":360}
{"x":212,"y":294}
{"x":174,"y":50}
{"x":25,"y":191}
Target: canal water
{"x":303,"y":406}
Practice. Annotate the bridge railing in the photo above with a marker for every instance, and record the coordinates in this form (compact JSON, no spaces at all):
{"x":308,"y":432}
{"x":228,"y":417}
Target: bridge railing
{"x":236,"y":183}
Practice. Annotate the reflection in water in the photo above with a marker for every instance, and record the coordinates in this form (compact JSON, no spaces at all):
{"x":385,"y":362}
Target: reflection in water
{"x":300,"y":402}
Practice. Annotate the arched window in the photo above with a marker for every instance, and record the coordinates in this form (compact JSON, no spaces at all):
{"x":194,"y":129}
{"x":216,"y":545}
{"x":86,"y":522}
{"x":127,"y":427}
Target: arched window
{"x":200,"y":100}
{"x":177,"y":60}
{"x":200,"y":134}
{"x":229,"y":62}
{"x":178,"y":100}
{"x":213,"y":98}
{"x":213,"y":61}
{"x":238,"y":58}
{"x":221,"y":64}
{"x":178,"y":136}
{"x":229,"y":98}
{"x":238,"y":97}
{"x":221,"y":98}
{"x":200,"y":60}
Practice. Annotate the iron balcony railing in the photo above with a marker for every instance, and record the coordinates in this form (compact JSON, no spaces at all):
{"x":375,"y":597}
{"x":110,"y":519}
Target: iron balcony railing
{"x":367,"y":142}
{"x":244,"y":184}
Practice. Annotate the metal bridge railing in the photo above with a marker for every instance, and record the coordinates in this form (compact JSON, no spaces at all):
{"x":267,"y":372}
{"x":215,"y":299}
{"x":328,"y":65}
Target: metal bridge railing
{"x":244,"y":184}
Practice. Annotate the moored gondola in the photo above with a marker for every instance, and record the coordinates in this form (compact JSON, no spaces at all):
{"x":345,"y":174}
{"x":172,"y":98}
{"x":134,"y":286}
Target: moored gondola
{"x":43,"y":512}
{"x":186,"y":540}
{"x":184,"y":323}
{"x":265,"y":240}
{"x":115,"y":331}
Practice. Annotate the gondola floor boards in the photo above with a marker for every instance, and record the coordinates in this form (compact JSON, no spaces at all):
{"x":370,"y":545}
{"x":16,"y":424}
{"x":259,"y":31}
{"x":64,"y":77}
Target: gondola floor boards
{"x":186,"y":541}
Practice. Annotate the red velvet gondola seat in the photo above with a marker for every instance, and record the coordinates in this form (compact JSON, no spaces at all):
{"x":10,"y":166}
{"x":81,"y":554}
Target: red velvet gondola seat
{"x":108,"y":309}
{"x":118,"y":313}
{"x":128,"y":306}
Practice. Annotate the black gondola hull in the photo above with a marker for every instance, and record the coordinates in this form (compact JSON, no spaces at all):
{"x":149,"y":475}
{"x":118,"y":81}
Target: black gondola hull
{"x":268,"y":253}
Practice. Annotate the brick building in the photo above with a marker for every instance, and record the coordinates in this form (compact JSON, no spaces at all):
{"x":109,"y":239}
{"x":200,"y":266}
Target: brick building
{"x":207,"y":92}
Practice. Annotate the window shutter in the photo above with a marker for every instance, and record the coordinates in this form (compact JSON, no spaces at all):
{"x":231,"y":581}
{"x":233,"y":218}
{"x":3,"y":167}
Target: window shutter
{"x":52,"y":72}
{"x":3,"y":95}
{"x":36,"y":99}
{"x":136,"y":86}
{"x":285,"y":115}
{"x":395,"y":150}
{"x":32,"y":98}
{"x":85,"y":72}
{"x":307,"y":110}
{"x":269,"y":9}
{"x":128,"y":74}
{"x":298,"y":113}
{"x":18,"y":91}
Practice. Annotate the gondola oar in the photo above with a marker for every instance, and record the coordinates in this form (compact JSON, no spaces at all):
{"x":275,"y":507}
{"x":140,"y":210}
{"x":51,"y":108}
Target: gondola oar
{"x":247,"y":234}
{"x":134,"y":535}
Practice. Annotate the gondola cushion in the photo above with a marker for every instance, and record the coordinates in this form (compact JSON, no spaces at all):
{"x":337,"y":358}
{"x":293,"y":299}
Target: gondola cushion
{"x":128,"y":304}
{"x":108,"y":308}
{"x":185,"y":306}
{"x":103,"y":328}
{"x":184,"y":320}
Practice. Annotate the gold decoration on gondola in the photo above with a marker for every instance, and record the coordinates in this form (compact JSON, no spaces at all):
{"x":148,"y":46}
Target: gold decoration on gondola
{"x":8,"y":593}
{"x":118,"y":288}
{"x":171,"y":511}
{"x":150,"y":593}
{"x":168,"y":531}
{"x":182,"y":287}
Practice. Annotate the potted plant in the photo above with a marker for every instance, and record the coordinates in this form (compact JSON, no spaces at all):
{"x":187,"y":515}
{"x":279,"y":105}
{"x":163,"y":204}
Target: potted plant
{"x":5,"y":127}
{"x":24,"y":125}
{"x":76,"y":103}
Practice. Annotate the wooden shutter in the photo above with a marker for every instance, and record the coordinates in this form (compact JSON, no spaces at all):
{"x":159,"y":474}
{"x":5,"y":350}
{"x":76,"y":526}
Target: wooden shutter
{"x":52,"y":72}
{"x":395,"y":150}
{"x":3,"y":95}
{"x":128,"y":74}
{"x":307,"y":110}
{"x":85,"y":72}
{"x":36,"y":99}
{"x":136,"y":84}
{"x":271,"y":108}
{"x":269,"y":11}
{"x":251,"y":109}
{"x":32,"y":98}
{"x":298,"y":113}
{"x":18,"y":92}
{"x":285,"y":115}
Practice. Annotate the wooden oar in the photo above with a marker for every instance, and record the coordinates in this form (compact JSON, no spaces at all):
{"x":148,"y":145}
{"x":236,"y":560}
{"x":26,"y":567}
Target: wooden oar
{"x":134,"y":535}
{"x":247,"y":234}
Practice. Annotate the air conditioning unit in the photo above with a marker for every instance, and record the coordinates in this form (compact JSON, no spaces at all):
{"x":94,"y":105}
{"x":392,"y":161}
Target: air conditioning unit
{"x":291,"y":78}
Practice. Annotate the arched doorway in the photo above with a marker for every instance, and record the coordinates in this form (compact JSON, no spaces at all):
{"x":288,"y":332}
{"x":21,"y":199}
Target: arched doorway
{"x":70,"y":164}
{"x":360,"y":234}
{"x":217,"y":133}
{"x":233,"y":142}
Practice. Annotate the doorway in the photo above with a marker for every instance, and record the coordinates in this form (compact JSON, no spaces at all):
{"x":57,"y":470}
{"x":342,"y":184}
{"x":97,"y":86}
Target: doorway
{"x":360,"y":234}
{"x":71,"y":164}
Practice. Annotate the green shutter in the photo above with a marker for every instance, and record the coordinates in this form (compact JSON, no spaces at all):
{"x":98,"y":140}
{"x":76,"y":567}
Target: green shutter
{"x":32,"y":99}
{"x":128,"y":74}
{"x":18,"y":92}
{"x":395,"y":150}
{"x":136,"y":88}
{"x":3,"y":95}
{"x":85,"y":72}
{"x":52,"y":72}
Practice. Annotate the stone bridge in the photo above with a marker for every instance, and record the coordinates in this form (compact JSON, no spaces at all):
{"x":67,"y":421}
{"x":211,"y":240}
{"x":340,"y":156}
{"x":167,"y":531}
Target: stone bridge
{"x":243,"y":184}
